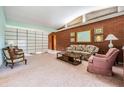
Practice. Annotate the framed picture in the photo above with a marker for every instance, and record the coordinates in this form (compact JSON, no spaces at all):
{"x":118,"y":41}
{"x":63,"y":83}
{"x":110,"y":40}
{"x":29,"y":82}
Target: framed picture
{"x":72,"y":39}
{"x":72,"y":34}
{"x":98,"y":38}
{"x":84,"y":36}
{"x":98,"y":30}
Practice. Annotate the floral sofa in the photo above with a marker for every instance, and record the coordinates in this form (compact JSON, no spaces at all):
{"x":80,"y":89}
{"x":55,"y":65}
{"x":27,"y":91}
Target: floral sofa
{"x":85,"y":50}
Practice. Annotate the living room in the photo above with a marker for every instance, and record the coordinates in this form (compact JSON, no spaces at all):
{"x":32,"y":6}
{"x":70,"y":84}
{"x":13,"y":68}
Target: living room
{"x":77,"y":42}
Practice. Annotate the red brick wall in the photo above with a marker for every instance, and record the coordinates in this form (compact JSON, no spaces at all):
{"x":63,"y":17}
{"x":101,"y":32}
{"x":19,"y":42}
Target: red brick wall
{"x":114,"y":26}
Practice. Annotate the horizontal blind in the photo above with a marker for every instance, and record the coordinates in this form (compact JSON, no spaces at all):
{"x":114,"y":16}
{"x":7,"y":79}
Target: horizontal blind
{"x":30,"y":41}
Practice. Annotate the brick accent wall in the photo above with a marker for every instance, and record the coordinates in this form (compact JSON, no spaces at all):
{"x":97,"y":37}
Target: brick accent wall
{"x":114,"y":26}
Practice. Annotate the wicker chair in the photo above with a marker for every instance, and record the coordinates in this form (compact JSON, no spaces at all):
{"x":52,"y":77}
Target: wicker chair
{"x":13,"y":55}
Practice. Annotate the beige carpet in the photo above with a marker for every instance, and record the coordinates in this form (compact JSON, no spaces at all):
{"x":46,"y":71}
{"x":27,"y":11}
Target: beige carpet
{"x":44,"y":70}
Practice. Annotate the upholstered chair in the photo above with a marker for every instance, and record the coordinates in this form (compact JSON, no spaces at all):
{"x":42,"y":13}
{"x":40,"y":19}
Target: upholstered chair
{"x":102,"y":64}
{"x":13,"y":55}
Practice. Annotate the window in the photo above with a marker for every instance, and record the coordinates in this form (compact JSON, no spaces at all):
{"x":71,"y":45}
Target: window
{"x":30,"y":41}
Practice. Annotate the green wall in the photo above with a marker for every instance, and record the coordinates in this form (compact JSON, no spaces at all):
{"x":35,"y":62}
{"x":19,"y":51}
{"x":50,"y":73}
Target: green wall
{"x":30,"y":26}
{"x":7,"y":22}
{"x":2,"y":30}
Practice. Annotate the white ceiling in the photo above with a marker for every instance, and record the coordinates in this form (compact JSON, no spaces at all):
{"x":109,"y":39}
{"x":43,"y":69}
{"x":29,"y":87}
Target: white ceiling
{"x":51,"y":16}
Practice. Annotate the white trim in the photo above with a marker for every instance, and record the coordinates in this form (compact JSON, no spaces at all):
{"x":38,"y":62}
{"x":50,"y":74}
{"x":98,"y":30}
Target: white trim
{"x":96,"y":20}
{"x":24,"y":28}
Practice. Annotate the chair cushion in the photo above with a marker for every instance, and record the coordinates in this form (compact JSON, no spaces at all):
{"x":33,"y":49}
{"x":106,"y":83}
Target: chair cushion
{"x":16,"y":60}
{"x":12,"y":53}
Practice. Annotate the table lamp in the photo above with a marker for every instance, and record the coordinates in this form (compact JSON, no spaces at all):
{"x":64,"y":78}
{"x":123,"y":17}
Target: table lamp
{"x":10,"y":43}
{"x":111,"y":37}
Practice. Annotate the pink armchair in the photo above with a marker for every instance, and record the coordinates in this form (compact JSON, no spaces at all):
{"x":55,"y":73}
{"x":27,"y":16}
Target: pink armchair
{"x":102,"y":64}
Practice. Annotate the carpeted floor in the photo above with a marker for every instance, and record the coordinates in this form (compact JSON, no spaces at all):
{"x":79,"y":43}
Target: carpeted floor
{"x":44,"y":70}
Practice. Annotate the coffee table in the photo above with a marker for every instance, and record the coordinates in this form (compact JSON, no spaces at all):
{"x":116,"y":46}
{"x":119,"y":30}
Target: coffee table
{"x":70,"y":57}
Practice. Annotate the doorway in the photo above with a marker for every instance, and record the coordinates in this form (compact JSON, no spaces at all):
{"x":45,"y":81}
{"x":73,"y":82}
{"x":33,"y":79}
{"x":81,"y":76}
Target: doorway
{"x":53,"y":44}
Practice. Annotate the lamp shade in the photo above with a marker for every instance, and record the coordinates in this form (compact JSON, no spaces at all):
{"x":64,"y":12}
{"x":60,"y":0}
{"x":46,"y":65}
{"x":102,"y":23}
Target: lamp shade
{"x":111,"y":37}
{"x":10,"y":43}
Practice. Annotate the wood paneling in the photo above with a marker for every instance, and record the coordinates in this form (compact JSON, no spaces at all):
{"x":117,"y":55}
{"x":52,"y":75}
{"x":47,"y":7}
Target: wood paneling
{"x":114,"y":26}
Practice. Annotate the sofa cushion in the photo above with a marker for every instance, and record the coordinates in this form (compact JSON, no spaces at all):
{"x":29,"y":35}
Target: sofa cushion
{"x":86,"y":53}
{"x":75,"y":51}
{"x":83,"y":46}
{"x":73,"y":47}
{"x":90,"y":48}
{"x":69,"y":48}
{"x":86,"y":49}
{"x":79,"y":48}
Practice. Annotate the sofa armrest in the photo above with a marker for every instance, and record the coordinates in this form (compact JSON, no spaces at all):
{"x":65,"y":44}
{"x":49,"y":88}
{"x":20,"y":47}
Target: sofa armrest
{"x":68,"y":48}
